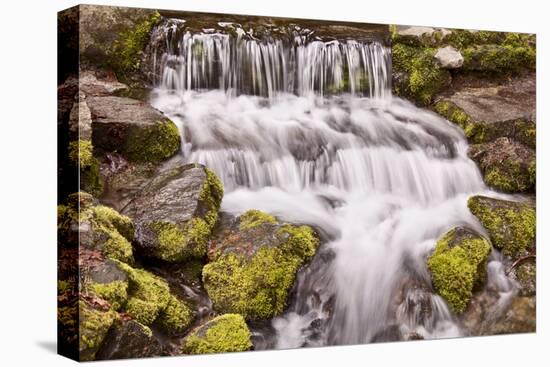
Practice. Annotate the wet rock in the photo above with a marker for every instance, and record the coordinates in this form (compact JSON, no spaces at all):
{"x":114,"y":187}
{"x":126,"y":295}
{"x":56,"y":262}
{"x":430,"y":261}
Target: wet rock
{"x":253,"y":264}
{"x":519,"y":316}
{"x":225,"y":333}
{"x":414,"y":35}
{"x":175,"y":212}
{"x":505,"y":164}
{"x":458,"y":266}
{"x":511,"y":225}
{"x":95,"y":83}
{"x":129,"y":339}
{"x":449,"y":57}
{"x":526,"y":276}
{"x":132,"y":128}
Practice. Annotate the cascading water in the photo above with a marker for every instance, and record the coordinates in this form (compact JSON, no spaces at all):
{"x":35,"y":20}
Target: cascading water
{"x":380,"y":179}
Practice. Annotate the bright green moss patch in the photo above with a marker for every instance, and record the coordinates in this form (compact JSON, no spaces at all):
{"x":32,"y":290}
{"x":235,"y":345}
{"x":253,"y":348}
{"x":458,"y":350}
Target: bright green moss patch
{"x":257,"y":286}
{"x":226,"y":333}
{"x":80,"y":152}
{"x":148,"y":295}
{"x":153,"y":143}
{"x":499,"y":58}
{"x":511,"y":226}
{"x":211,"y":197}
{"x":475,"y":132}
{"x":94,"y":325}
{"x":109,"y":221}
{"x":425,"y":77}
{"x":254,"y":218}
{"x":180,"y":242}
{"x":115,"y":292}
{"x":457,"y":265}
{"x":130,"y":45}
{"x":462,"y":38}
{"x":176,"y":317}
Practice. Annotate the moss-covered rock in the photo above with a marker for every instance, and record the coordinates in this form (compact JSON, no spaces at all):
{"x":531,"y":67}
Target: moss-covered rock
{"x":254,"y":264}
{"x":133,"y":129}
{"x":176,"y":317}
{"x":150,"y":301}
{"x":459,"y":265}
{"x":129,"y":339}
{"x":498,"y":58}
{"x":526,"y":276}
{"x":506,"y":165}
{"x":81,"y":156}
{"x":82,"y":221}
{"x":115,"y":292}
{"x":422,"y":77}
{"x":176,"y":211}
{"x":226,"y":333}
{"x":94,"y":325}
{"x":510,"y":225}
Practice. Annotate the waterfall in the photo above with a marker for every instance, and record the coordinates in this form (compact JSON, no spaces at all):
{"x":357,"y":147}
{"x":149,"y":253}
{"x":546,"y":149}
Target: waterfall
{"x":308,"y":131}
{"x":243,"y":64}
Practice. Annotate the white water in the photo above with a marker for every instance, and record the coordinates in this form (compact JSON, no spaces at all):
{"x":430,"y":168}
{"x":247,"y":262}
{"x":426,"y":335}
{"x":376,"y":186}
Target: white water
{"x":379,"y":178}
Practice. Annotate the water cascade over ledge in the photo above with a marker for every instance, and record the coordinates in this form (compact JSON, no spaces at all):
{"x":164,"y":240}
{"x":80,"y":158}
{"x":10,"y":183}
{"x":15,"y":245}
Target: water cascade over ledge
{"x":308,"y":131}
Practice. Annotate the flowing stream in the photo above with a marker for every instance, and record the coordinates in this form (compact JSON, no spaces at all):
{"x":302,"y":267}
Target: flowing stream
{"x":309,"y":132}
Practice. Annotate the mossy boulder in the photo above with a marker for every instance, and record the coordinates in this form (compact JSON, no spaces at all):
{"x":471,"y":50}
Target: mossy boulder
{"x":225,"y":333}
{"x":458,"y":266}
{"x":499,"y":58}
{"x":253,"y":264}
{"x":417,"y":74}
{"x":132,"y":128}
{"x":106,"y":280}
{"x":94,"y":325}
{"x":115,"y":37}
{"x":175,"y":212}
{"x":129,"y":339}
{"x":518,"y":316}
{"x":150,"y":301}
{"x":83,"y":222}
{"x":506,"y":165}
{"x":511,"y":225}
{"x":526,"y":276}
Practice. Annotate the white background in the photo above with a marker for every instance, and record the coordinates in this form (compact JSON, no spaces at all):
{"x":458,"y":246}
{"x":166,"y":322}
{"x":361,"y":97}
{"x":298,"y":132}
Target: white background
{"x":28,"y":181}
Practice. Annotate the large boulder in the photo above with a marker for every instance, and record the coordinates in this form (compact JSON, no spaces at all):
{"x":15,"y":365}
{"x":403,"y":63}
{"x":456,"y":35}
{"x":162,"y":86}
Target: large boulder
{"x":132,"y":128}
{"x":225,"y":333}
{"x":175,"y":212}
{"x":506,"y":165}
{"x":490,"y":109}
{"x":511,"y":225}
{"x":94,"y":324}
{"x":458,"y":266}
{"x":253,"y":264}
{"x":129,"y":339}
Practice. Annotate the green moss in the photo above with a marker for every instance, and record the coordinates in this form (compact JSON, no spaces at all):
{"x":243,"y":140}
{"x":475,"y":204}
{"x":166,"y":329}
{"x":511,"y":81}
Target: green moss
{"x":148,"y":295}
{"x":425,"y":77}
{"x":115,"y":292}
{"x":511,"y":227}
{"x":94,"y":325}
{"x":176,"y":317}
{"x":257,"y":287}
{"x":533,"y":173}
{"x":130,"y":45}
{"x":254,"y":218}
{"x":457,"y":269}
{"x":154,"y":143}
{"x":496,"y":59}
{"x":226,"y":333}
{"x":80,"y":152}
{"x":114,"y":225}
{"x":211,"y":196}
{"x":474,"y":131}
{"x":507,"y":176}
{"x":180,"y":242}
{"x":65,"y":286}
{"x":461,"y":38}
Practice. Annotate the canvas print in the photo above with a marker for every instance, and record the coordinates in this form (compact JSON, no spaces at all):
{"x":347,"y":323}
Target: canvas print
{"x":233,"y":183}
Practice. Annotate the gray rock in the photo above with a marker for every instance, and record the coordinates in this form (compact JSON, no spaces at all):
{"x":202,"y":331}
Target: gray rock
{"x":415,"y":33}
{"x":133,"y":128}
{"x":449,"y":58}
{"x":175,"y":212}
{"x":129,"y":339}
{"x":506,"y":164}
